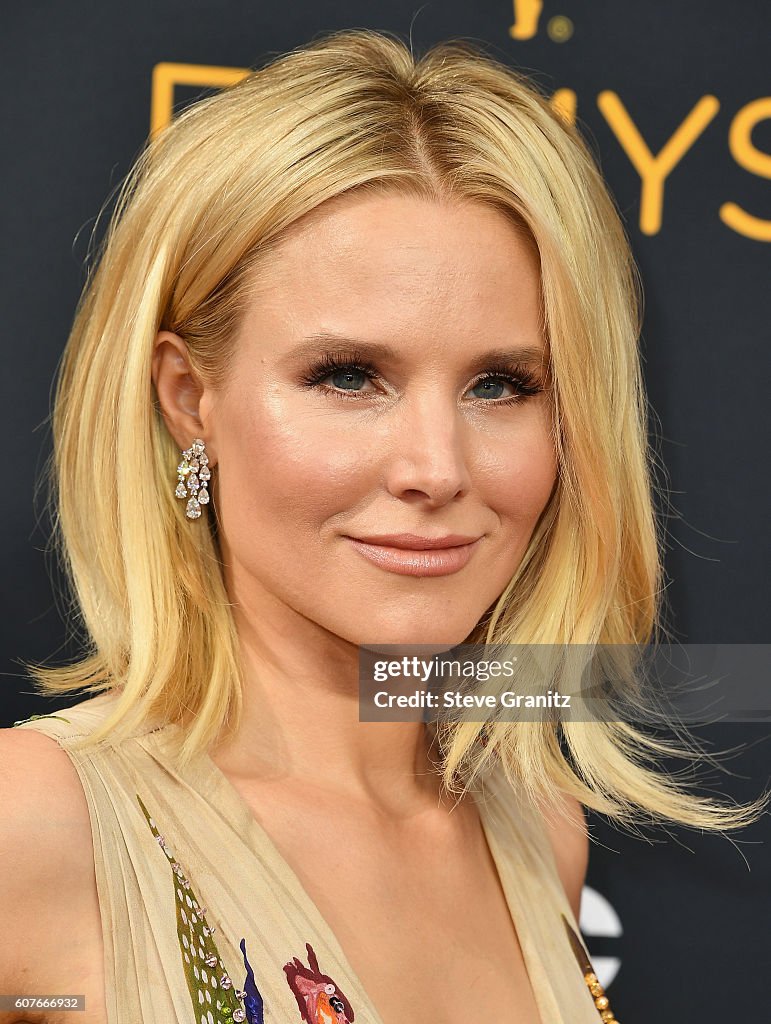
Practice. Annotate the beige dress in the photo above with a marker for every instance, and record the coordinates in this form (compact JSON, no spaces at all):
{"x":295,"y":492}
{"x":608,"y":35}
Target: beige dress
{"x":204,"y":922}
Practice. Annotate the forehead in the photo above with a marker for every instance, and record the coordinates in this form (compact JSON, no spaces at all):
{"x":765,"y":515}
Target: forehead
{"x":402,"y":259}
{"x":364,"y":232}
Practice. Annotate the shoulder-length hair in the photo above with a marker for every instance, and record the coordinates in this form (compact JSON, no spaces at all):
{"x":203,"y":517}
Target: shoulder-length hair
{"x":206,"y":202}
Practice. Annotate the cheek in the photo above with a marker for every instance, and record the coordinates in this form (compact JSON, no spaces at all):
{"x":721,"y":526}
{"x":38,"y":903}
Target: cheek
{"x":284,"y":467}
{"x":518,"y":473}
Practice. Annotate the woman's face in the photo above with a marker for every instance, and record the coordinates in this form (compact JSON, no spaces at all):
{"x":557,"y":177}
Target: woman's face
{"x":434,"y":423}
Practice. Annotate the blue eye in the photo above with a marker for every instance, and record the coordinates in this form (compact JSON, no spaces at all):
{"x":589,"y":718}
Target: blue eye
{"x":346,"y":373}
{"x":492,"y":386}
{"x":347,"y":378}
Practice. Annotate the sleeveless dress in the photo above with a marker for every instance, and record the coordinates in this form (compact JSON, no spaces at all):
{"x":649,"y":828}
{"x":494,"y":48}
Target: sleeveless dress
{"x":204,"y":922}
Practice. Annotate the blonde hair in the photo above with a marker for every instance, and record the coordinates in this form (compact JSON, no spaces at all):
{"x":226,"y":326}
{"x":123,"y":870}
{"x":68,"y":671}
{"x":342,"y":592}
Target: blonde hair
{"x":206,"y":202}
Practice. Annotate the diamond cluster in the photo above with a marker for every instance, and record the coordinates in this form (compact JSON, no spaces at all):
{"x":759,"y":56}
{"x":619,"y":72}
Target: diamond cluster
{"x":194,"y":475}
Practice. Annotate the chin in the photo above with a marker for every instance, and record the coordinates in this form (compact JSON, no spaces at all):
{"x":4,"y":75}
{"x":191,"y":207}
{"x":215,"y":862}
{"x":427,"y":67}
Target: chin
{"x":430,"y":641}
{"x":406,"y":647}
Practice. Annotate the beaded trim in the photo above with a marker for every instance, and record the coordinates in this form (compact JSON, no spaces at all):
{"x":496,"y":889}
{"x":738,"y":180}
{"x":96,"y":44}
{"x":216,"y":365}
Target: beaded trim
{"x":596,"y":990}
{"x":214,"y":997}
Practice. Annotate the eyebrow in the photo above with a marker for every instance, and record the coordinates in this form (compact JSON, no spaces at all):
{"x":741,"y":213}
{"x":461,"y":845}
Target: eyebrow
{"x":320,"y":342}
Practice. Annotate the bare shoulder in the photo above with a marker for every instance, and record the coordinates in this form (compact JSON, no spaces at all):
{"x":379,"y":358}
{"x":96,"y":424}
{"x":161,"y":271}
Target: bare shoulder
{"x":569,"y":838}
{"x":42,"y":795}
{"x":46,"y":851}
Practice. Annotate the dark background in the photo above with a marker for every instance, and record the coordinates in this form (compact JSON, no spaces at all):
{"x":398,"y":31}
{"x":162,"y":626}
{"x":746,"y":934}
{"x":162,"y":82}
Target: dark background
{"x":691,"y":912}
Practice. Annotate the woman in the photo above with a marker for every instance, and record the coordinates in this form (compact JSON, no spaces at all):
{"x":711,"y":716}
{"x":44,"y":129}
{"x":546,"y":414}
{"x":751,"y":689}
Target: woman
{"x":357,"y":308}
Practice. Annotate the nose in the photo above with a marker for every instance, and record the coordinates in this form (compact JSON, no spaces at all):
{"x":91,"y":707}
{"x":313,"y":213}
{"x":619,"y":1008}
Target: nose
{"x":428,"y":457}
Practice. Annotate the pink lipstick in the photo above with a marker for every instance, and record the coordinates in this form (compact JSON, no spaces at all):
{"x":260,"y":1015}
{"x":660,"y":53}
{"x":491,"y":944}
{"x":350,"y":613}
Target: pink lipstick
{"x":411,"y":555}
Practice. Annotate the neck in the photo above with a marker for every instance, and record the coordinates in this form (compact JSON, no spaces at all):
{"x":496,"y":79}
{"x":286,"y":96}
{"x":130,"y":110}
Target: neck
{"x":301,"y":724}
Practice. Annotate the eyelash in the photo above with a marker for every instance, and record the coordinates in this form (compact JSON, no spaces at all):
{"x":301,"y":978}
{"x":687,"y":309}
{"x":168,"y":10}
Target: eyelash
{"x":519,"y":376}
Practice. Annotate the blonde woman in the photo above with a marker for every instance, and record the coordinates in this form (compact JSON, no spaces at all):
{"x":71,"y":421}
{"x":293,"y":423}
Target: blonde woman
{"x":356,"y":366}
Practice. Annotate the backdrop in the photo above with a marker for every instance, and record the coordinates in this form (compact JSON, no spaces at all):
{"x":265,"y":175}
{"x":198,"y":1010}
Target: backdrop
{"x":675,"y":100}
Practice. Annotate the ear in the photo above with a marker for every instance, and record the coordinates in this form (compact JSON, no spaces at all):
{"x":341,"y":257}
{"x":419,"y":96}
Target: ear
{"x":181,"y":396}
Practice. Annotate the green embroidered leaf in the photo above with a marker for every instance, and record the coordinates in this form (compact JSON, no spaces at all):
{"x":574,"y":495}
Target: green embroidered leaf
{"x":211,"y":990}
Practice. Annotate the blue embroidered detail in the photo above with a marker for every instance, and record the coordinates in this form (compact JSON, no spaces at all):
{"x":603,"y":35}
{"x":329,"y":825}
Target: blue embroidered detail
{"x":253,"y":1004}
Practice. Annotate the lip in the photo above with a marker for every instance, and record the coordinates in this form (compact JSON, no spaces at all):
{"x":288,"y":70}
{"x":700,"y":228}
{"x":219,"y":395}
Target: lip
{"x":453,"y":554}
{"x":414,"y":542}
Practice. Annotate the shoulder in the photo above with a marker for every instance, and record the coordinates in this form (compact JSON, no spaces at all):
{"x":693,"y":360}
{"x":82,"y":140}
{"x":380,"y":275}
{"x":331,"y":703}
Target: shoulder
{"x":566,"y":830}
{"x":46,"y":851}
{"x":45,"y":826}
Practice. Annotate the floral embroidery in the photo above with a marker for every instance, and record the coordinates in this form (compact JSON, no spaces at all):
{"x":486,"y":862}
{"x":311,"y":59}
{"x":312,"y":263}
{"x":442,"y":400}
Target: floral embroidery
{"x":318,"y":997}
{"x":601,"y":1001}
{"x":215,"y":1000}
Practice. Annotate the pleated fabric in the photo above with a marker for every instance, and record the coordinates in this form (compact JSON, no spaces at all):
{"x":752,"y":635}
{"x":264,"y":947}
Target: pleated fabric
{"x":204,"y":921}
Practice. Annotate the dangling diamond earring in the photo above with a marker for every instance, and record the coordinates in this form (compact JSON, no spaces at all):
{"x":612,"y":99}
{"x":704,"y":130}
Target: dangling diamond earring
{"x":194,"y":475}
